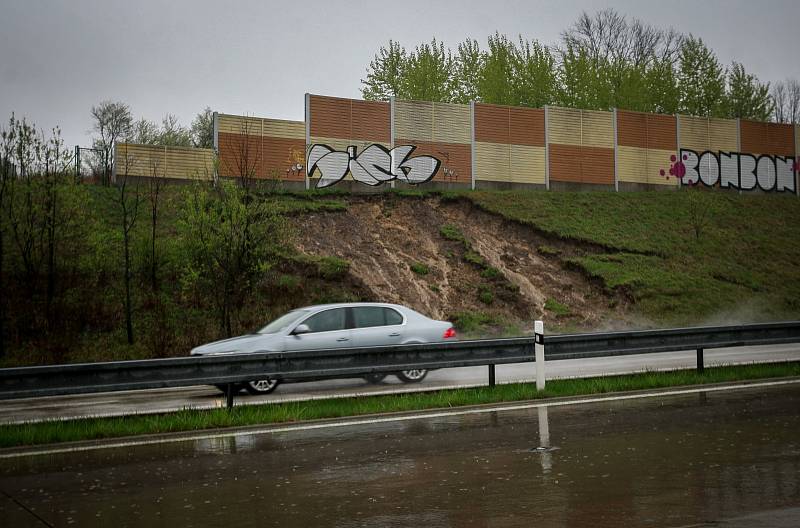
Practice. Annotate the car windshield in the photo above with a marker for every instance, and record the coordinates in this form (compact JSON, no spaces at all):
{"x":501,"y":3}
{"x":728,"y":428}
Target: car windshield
{"x":282,"y":322}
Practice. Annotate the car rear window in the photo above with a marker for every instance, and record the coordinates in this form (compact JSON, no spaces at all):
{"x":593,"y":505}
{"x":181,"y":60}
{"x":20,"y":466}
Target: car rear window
{"x":369,"y":316}
{"x":393,"y":317}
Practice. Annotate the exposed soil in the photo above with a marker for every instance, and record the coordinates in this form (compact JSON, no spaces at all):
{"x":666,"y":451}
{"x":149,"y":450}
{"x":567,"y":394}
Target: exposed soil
{"x":383,"y":236}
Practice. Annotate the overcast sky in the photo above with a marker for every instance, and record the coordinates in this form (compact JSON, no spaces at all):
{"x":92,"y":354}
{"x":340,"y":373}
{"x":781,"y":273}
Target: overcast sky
{"x":58,"y":58}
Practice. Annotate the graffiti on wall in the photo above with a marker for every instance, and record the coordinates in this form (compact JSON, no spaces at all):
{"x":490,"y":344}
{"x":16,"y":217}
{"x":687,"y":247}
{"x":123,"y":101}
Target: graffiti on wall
{"x":373,"y":166}
{"x":734,"y":170}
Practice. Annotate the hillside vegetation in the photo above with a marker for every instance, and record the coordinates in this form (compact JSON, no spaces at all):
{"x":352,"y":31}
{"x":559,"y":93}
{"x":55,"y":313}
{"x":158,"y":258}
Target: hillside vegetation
{"x":491,"y":262}
{"x":683,"y":258}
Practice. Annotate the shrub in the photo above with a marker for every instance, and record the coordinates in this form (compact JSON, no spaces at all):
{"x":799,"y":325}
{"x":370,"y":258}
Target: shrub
{"x":552,"y":305}
{"x":419,"y":268}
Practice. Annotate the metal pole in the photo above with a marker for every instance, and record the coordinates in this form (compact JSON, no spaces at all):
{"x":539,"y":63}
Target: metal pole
{"x":700,"y":365}
{"x":538,"y":346}
{"x":229,"y":396}
{"x":77,"y":164}
{"x":491,"y":375}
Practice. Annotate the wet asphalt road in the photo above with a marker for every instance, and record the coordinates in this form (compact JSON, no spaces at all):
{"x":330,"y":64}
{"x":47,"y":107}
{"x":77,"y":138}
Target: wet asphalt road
{"x":122,"y":403}
{"x":691,"y":459}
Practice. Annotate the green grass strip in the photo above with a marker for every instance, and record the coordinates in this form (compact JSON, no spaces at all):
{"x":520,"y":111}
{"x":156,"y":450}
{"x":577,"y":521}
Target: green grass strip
{"x":194,"y":420}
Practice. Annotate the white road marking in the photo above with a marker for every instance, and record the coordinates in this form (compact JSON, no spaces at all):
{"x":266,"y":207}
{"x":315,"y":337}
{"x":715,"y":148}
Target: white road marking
{"x":390,"y":419}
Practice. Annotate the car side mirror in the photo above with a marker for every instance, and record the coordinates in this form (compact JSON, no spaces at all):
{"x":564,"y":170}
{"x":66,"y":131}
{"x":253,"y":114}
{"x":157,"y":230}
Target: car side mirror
{"x":301,"y":329}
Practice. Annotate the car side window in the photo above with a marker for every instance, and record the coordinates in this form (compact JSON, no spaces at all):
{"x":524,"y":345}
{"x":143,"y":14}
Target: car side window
{"x":392,"y":317}
{"x":327,"y":321}
{"x":368,"y":316}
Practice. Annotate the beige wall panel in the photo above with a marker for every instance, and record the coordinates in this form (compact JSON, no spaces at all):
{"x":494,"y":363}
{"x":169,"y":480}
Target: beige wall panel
{"x":564,"y":126}
{"x":170,"y":162}
{"x":598,"y":128}
{"x":492,"y":162}
{"x":451,"y":123}
{"x":658,"y":160}
{"x":638,"y":165}
{"x":724,"y":134}
{"x":254,"y":126}
{"x":285,"y":129}
{"x":413,"y":119}
{"x":694,"y":133}
{"x":527,"y":164}
{"x":632,"y":164}
{"x":700,"y":133}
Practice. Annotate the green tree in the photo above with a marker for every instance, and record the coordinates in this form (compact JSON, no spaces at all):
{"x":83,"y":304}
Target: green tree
{"x":385,"y":73}
{"x":429,"y":74}
{"x":661,"y":87}
{"x":701,"y":80}
{"x":584,"y":83}
{"x":173,"y":134}
{"x":231,"y":238}
{"x":496,"y":79}
{"x":467,"y":71}
{"x":203,"y":129}
{"x":747,"y":98}
{"x":534,"y":73}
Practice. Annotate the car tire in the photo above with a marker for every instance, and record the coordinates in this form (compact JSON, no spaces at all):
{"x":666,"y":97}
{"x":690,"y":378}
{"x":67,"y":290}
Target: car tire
{"x":412,"y":376}
{"x":262,"y":386}
{"x":375,"y":377}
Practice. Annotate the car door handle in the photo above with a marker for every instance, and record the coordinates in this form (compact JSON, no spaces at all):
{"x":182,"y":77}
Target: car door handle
{"x":343,"y":339}
{"x":394,"y":334}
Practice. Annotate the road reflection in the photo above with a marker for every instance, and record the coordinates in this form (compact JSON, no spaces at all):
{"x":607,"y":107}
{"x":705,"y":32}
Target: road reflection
{"x":666,"y":461}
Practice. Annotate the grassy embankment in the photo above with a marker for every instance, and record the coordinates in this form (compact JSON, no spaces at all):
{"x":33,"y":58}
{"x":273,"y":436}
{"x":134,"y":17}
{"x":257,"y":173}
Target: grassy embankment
{"x":195,"y":420}
{"x":684,"y":258}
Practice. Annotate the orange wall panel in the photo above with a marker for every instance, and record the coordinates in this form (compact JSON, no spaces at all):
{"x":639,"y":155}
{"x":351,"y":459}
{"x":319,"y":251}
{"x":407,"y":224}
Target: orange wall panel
{"x":767,"y":138}
{"x":650,"y":131}
{"x":581,"y":164}
{"x":335,"y":117}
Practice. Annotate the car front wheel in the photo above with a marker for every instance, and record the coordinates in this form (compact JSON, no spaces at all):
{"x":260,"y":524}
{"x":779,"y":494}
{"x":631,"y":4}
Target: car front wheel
{"x":262,"y":386}
{"x":412,"y":376}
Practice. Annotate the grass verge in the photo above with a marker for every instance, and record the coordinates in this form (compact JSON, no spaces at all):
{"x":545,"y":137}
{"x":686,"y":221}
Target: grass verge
{"x":194,"y":420}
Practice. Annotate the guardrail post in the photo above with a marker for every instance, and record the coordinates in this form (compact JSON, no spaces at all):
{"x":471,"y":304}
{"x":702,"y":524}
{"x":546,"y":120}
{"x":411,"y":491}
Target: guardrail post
{"x":491,"y":375}
{"x":229,"y":396}
{"x":700,"y":366}
{"x":538,"y":330}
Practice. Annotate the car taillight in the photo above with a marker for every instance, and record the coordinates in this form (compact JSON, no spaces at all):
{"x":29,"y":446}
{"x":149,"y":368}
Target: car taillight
{"x":449,"y":333}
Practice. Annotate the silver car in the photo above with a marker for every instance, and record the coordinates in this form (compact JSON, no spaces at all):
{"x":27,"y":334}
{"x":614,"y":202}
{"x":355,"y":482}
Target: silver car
{"x":325,"y":326}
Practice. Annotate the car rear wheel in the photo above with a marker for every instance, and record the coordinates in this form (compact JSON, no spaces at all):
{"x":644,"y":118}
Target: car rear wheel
{"x":412,"y":376}
{"x":262,"y":386}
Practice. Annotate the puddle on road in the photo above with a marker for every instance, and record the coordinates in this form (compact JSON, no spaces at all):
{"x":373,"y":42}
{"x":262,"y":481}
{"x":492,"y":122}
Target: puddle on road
{"x":655,"y":462}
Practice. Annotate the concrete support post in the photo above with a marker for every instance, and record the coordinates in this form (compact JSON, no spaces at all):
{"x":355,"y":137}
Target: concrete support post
{"x":616,"y":157}
{"x":391,"y":134}
{"x":546,"y":149}
{"x":308,"y":137}
{"x":472,"y":143}
{"x":539,"y":353}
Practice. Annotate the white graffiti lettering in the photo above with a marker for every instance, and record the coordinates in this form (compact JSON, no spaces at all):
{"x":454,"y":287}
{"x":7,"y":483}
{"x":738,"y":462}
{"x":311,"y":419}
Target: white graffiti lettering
{"x":373,"y":166}
{"x":737,"y":170}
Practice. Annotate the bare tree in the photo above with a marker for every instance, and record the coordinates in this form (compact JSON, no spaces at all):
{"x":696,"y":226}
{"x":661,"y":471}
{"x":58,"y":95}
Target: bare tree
{"x":243,"y":163}
{"x":786,"y":98}
{"x":155,"y":185}
{"x":608,"y":37}
{"x":112,"y":122}
{"x":127,"y":200}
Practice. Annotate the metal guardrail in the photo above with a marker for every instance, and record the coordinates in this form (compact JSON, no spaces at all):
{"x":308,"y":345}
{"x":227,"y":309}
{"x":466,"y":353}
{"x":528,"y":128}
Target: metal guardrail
{"x":24,"y":382}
